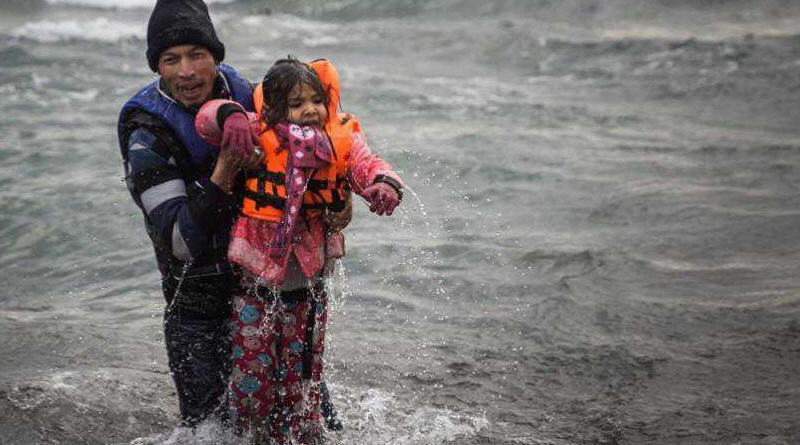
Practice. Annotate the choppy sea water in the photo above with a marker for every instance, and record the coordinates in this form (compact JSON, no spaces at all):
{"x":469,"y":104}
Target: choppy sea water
{"x":601,"y":246}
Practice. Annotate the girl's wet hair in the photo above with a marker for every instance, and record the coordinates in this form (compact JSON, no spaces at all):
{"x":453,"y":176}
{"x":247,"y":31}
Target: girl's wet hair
{"x":279,"y":81}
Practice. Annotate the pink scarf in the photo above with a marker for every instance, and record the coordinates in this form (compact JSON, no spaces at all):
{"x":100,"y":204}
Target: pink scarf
{"x":309,"y":149}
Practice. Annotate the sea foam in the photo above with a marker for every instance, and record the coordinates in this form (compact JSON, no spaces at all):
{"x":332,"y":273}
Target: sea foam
{"x":117,"y":4}
{"x":100,"y":29}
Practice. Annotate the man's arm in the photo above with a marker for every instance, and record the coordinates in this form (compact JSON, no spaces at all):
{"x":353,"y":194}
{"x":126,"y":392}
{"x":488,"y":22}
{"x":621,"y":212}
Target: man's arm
{"x":183,"y":216}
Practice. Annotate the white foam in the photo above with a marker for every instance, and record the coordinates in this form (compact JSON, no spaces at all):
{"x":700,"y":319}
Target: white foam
{"x":83,"y":96}
{"x":370,"y":416}
{"x":321,"y":41}
{"x":273,"y":27}
{"x":288,"y":22}
{"x":375,"y":416}
{"x":714,"y":30}
{"x":207,"y":433}
{"x":117,"y":4}
{"x":59,"y":381}
{"x":100,"y":29}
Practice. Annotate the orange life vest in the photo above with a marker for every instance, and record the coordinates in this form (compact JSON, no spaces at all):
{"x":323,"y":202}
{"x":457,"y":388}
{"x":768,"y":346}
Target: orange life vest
{"x":265,"y":191}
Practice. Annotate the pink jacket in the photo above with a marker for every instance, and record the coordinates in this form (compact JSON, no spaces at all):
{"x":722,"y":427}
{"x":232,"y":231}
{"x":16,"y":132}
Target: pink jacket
{"x":312,"y":244}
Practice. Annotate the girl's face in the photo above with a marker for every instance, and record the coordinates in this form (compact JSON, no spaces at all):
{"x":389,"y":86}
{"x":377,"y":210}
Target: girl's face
{"x":306,"y":106}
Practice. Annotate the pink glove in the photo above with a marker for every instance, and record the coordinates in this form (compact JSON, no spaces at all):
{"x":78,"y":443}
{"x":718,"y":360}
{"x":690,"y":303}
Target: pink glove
{"x":237,"y":135}
{"x":382,"y":197}
{"x":207,"y":124}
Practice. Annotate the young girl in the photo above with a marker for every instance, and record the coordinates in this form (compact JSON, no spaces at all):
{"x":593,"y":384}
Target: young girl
{"x":313,"y":157}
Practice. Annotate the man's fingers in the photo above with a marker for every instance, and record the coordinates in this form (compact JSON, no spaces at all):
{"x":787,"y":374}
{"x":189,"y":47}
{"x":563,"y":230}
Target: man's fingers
{"x":339,"y":220}
{"x":332,"y":221}
{"x":255,"y":159}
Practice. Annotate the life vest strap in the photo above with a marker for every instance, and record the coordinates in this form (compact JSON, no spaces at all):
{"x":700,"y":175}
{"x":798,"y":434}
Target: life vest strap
{"x":337,"y":203}
{"x":266,"y":199}
{"x":262,"y":198}
{"x":279,"y":178}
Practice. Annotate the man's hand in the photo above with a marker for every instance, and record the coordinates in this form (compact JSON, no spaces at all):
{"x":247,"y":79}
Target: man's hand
{"x":255,"y":161}
{"x":228,"y":164}
{"x":337,"y":221}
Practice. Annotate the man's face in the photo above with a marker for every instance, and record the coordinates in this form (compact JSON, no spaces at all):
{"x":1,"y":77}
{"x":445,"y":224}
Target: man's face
{"x":189,"y":72}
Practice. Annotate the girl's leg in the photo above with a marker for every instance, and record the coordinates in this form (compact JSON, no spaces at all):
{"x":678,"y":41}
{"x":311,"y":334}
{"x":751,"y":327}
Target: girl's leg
{"x":290,"y":353}
{"x":310,"y":425}
{"x":251,"y":392}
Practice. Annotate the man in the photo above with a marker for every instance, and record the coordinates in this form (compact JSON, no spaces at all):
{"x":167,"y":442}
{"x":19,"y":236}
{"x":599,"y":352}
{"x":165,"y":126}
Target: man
{"x":188,"y":191}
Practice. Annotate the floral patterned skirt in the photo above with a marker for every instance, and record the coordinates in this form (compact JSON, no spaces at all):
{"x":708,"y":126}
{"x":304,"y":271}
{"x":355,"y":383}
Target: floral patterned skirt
{"x":277,"y":346}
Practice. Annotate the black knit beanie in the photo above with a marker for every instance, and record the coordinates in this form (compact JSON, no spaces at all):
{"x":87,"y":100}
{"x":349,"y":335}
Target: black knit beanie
{"x":180,"y":22}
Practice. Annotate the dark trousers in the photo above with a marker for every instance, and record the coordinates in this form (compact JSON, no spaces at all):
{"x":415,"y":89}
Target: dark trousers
{"x":197,"y":337}
{"x":200,"y":363}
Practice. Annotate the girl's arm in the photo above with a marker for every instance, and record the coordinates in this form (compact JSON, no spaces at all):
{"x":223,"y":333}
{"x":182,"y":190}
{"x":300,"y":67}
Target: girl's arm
{"x":226,"y":124}
{"x":366,"y":168}
{"x":372,"y":177}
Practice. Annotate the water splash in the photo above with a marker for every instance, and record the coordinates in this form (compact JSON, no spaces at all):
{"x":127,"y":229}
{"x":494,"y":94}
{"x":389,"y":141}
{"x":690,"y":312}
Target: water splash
{"x":207,"y":433}
{"x":369,"y":415}
{"x":422,"y":260}
{"x":177,"y":293}
{"x":374,"y":416}
{"x":422,"y":211}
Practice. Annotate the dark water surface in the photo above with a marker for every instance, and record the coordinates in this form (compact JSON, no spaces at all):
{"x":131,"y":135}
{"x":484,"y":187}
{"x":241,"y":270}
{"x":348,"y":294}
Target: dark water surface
{"x":604,"y":251}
